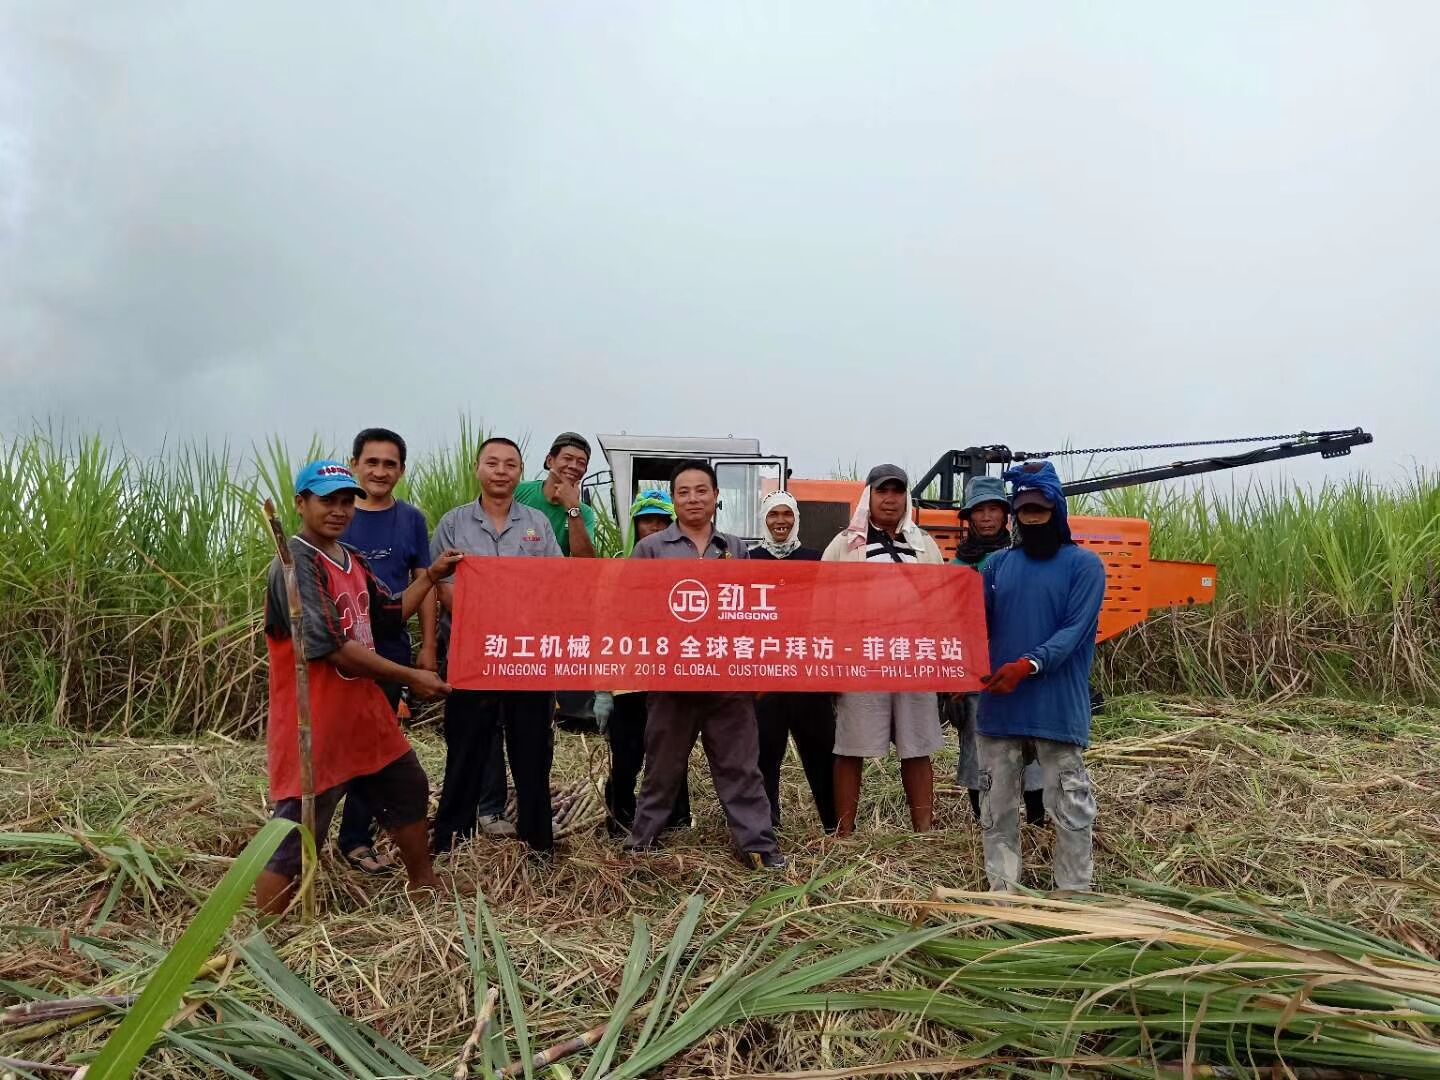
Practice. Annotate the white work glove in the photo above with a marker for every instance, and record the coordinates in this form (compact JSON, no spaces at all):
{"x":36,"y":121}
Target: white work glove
{"x":603,"y":707}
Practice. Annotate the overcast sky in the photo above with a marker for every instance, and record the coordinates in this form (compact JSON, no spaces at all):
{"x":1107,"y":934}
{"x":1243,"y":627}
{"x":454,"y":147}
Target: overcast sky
{"x":859,"y":232}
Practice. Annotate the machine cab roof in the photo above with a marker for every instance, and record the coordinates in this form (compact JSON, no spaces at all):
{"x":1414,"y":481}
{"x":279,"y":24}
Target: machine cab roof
{"x":745,"y":474}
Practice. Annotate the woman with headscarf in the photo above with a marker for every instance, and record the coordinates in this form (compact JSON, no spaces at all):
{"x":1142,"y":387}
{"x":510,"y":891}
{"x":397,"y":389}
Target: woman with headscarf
{"x":883,"y":531}
{"x":808,"y":718}
{"x":620,"y":714}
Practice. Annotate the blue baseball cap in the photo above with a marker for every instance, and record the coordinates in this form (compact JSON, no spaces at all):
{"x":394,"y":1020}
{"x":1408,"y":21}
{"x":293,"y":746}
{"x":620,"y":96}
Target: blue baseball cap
{"x":326,"y":478}
{"x":652,"y":503}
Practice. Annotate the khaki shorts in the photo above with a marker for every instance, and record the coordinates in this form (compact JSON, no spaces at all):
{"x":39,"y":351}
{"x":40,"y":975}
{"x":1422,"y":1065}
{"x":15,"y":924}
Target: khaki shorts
{"x":866,"y":725}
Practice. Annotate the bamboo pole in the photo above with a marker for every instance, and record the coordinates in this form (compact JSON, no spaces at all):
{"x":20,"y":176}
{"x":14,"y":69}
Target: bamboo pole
{"x":302,"y":709}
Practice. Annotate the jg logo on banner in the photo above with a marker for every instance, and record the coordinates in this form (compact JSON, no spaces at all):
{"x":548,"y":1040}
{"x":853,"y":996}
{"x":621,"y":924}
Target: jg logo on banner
{"x":689,"y":600}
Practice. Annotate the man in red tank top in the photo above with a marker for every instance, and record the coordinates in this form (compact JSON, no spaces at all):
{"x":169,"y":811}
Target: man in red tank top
{"x":356,"y":740}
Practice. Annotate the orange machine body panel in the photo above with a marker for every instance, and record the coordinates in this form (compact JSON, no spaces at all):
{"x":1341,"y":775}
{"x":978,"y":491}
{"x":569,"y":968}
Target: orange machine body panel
{"x":1135,"y":584}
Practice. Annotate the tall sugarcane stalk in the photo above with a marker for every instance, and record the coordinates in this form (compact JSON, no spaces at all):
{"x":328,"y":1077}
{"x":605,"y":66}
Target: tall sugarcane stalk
{"x":302,"y":710}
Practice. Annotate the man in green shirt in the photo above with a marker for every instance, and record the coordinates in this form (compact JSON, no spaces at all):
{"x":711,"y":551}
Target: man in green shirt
{"x":557,"y":495}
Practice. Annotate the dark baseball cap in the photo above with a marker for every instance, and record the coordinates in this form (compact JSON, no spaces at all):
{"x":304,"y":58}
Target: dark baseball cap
{"x":881,"y":473}
{"x":1031,"y":497}
{"x":569,"y":438}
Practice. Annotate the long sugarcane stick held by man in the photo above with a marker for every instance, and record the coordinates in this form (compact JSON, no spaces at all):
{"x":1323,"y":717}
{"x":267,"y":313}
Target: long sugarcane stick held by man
{"x":330,"y":726}
{"x":296,"y":608}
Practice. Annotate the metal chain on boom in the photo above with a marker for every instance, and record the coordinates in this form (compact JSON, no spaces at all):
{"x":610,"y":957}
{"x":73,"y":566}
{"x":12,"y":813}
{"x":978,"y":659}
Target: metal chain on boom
{"x":1021,"y":455}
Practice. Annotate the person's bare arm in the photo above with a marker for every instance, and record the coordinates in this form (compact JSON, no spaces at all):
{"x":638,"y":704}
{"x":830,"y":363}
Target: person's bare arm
{"x":581,"y":546}
{"x":429,"y":620}
{"x":567,"y":495}
{"x":429,"y":657}
{"x":443,"y":566}
{"x":359,"y":660}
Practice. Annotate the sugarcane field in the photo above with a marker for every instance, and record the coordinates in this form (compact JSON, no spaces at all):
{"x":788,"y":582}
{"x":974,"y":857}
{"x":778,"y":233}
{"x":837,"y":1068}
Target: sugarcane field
{"x":1265,"y":850}
{"x":679,"y":541}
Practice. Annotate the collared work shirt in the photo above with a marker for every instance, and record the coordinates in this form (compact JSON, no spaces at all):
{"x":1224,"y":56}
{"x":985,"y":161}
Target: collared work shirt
{"x":671,"y":543}
{"x":469,"y":529}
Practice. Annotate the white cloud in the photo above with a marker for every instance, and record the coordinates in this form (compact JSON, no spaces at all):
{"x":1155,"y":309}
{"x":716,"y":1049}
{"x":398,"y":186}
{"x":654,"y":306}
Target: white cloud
{"x":857,"y":237}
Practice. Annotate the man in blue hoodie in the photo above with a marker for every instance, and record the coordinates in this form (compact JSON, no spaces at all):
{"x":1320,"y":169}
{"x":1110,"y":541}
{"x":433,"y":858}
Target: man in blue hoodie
{"x":1042,"y":602}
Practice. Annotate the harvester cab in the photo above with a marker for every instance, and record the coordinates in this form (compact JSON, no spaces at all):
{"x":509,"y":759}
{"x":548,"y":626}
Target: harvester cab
{"x":744,"y":474}
{"x":1136,"y":584}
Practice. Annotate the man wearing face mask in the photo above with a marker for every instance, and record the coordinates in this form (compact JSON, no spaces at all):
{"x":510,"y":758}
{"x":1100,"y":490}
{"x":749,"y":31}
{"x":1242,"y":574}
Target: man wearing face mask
{"x":807,"y":717}
{"x":1042,"y":603}
{"x":986,"y":514}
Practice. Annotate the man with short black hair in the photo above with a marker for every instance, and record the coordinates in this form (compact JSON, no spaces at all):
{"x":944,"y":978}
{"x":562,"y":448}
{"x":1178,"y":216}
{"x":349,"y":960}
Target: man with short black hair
{"x":724,"y":722}
{"x":557,"y":495}
{"x":496,"y":525}
{"x":394,"y":538}
{"x":621,"y":715}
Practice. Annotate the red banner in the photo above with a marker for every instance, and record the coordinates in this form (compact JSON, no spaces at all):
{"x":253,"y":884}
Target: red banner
{"x":716,"y":624}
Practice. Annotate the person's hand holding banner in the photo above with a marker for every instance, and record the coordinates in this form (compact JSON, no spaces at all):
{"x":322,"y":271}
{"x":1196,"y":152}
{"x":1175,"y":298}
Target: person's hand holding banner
{"x":1008,"y":676}
{"x":715,"y":625}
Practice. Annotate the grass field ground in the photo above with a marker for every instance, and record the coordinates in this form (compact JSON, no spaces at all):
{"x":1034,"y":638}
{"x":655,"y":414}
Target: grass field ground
{"x":1320,"y":807}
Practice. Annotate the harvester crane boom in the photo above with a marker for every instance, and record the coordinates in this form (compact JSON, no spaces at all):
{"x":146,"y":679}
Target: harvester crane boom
{"x":961,"y":465}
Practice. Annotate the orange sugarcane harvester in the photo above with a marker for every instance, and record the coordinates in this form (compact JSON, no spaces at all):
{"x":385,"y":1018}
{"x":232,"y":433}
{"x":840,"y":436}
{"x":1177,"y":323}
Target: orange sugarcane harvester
{"x":1136,"y":584}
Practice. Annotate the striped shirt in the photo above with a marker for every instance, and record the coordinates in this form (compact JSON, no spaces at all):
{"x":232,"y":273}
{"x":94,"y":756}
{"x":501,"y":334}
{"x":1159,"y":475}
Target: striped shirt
{"x":880,"y":546}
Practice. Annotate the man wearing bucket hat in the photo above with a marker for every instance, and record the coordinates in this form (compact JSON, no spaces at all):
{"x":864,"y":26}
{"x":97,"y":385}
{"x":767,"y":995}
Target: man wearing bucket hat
{"x":883,"y":531}
{"x":1042,"y":603}
{"x":986,"y":514}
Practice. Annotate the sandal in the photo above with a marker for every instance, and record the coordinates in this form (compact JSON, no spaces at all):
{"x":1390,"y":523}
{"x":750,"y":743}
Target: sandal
{"x":367,"y":861}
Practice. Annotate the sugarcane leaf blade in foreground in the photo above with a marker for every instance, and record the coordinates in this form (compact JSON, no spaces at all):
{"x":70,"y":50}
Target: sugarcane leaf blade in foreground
{"x":124,"y":1050}
{"x":361,"y":1048}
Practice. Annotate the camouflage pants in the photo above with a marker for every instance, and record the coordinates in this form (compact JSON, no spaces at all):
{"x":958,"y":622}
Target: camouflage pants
{"x":1069,"y":802}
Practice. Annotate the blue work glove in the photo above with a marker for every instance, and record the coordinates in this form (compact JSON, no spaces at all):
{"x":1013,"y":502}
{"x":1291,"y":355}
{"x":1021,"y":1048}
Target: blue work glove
{"x":603,"y":707}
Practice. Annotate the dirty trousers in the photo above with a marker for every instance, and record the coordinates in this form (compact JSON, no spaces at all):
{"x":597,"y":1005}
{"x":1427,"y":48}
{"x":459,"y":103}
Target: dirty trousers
{"x":725,"y":724}
{"x":1069,"y":802}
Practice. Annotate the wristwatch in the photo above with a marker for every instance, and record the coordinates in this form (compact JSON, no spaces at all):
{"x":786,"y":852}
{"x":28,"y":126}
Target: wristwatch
{"x":573,"y":512}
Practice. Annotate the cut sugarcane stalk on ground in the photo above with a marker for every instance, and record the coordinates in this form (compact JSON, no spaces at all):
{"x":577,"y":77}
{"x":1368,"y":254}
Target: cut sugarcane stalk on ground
{"x":575,"y":808}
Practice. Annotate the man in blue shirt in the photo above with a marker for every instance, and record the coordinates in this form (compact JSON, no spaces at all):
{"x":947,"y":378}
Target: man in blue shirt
{"x":395,"y":541}
{"x":1042,"y":603}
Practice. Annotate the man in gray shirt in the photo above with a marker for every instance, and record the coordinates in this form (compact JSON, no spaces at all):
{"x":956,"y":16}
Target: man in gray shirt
{"x":724,"y":723}
{"x":495,"y":525}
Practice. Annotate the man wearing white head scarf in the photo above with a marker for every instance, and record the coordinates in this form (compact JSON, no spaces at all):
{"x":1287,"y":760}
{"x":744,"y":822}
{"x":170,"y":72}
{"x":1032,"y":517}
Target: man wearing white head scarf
{"x":883,"y":532}
{"x":808,"y":718}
